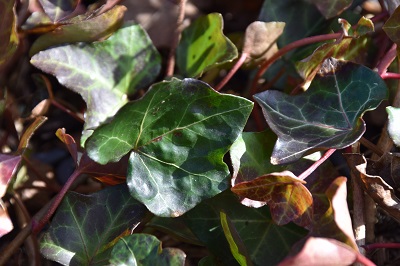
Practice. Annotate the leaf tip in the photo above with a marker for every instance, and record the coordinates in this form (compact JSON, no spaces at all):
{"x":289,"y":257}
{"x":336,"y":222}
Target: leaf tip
{"x":274,"y":160}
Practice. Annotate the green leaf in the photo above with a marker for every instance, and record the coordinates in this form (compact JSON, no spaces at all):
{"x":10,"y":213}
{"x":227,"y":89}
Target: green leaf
{"x":84,"y":225}
{"x":331,"y":8}
{"x":8,"y":32}
{"x":266,"y":242}
{"x":327,"y":115}
{"x":87,"y":30}
{"x":178,"y":132}
{"x":103,"y":72}
{"x":394,"y":124}
{"x":58,"y":9}
{"x":204,"y":46}
{"x":143,"y":250}
{"x":288,"y":198}
{"x":391,"y":27}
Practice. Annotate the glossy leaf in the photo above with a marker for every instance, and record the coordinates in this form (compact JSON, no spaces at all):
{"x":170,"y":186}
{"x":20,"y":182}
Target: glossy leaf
{"x":178,"y":132}
{"x":142,"y":250}
{"x":266,"y":242}
{"x":58,"y":9}
{"x":394,"y":124}
{"x":204,"y":46}
{"x":84,"y":225}
{"x":8,"y":31}
{"x":327,"y":115}
{"x":288,"y":199}
{"x":87,"y":30}
{"x":103,"y":72}
{"x":331,"y":8}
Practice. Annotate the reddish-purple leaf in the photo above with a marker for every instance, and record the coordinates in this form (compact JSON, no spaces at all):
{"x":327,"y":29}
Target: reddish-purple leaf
{"x":8,"y":33}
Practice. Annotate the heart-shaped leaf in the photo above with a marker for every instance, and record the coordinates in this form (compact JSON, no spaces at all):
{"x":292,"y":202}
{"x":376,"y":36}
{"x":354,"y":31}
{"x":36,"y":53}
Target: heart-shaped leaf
{"x":288,"y":199}
{"x":142,"y":250}
{"x":327,"y":115}
{"x":58,"y":9}
{"x":8,"y":31}
{"x":103,"y":72}
{"x":84,"y":225}
{"x":394,"y":124}
{"x":203,"y":46}
{"x":331,"y":8}
{"x":178,"y":132}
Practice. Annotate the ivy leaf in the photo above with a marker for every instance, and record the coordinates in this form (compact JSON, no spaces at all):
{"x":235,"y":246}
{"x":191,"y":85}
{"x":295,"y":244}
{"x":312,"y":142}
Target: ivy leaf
{"x":84,"y":225}
{"x":394,"y":124}
{"x":204,"y":46}
{"x":254,"y":226}
{"x":87,"y":30}
{"x":178,"y":132}
{"x":103,"y":73}
{"x":144,"y":249}
{"x":8,"y":31}
{"x":391,"y":27}
{"x":331,"y":8}
{"x":288,"y":199}
{"x":58,"y":9}
{"x":327,"y":115}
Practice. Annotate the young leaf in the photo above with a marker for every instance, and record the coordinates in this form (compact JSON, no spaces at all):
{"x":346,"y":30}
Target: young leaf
{"x":394,"y":124}
{"x":87,"y":30}
{"x":178,"y":132}
{"x":103,"y":72}
{"x":142,"y":250}
{"x":8,"y":31}
{"x":254,"y":226}
{"x":331,"y":8}
{"x":84,"y":225}
{"x":58,"y":9}
{"x":288,"y":199}
{"x":204,"y":46}
{"x":327,"y":115}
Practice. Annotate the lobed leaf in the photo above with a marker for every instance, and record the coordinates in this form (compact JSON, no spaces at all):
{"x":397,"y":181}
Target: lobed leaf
{"x":8,"y":31}
{"x":330,"y":8}
{"x":178,"y":132}
{"x":327,"y":115}
{"x":204,"y":46}
{"x":85,"y":225}
{"x":103,"y":73}
{"x":144,"y":249}
{"x":394,"y":124}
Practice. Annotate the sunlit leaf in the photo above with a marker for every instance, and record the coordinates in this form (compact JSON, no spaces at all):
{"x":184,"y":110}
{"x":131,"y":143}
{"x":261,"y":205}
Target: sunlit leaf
{"x":203,"y":46}
{"x":178,"y":132}
{"x":331,"y":8}
{"x":394,"y":124}
{"x":288,"y":199}
{"x":88,"y":30}
{"x":28,"y":133}
{"x":327,"y":115}
{"x":6,"y":225}
{"x":266,"y":242}
{"x":58,"y":9}
{"x":143,"y":250}
{"x":103,"y":72}
{"x":84,"y":225}
{"x":8,"y":32}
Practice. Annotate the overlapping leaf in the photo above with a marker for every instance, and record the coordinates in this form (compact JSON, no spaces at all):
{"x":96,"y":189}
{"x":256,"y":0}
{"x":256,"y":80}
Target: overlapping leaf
{"x":331,"y":8}
{"x":327,"y":115}
{"x":203,"y":46}
{"x":58,"y":9}
{"x":254,"y":226}
{"x":178,"y":132}
{"x":8,"y":31}
{"x":84,"y":225}
{"x":394,"y":124}
{"x":391,"y":27}
{"x":288,"y":199}
{"x":103,"y":72}
{"x":143,"y":250}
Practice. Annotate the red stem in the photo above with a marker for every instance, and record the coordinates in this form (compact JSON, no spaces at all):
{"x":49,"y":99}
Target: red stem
{"x":315,"y":165}
{"x":387,"y":60}
{"x":235,"y":68}
{"x":390,"y":75}
{"x":371,"y":247}
{"x":364,"y":260}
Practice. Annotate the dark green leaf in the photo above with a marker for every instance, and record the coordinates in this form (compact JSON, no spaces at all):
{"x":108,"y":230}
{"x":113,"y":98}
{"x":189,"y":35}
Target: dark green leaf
{"x":103,"y":72}
{"x":203,"y":46}
{"x":331,"y":8}
{"x":391,"y":27}
{"x":394,"y":124}
{"x":58,"y":9}
{"x":327,"y":115}
{"x":88,"y":30}
{"x":143,"y":250}
{"x":179,"y":132}
{"x":8,"y":33}
{"x":266,"y":242}
{"x":84,"y":225}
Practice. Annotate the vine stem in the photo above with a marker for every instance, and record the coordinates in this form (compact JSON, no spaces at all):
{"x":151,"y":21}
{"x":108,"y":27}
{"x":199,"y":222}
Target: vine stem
{"x":373,"y":246}
{"x":232,"y":72}
{"x":364,"y":260}
{"x":389,"y":75}
{"x":387,"y":60}
{"x":176,"y":38}
{"x":315,"y":165}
